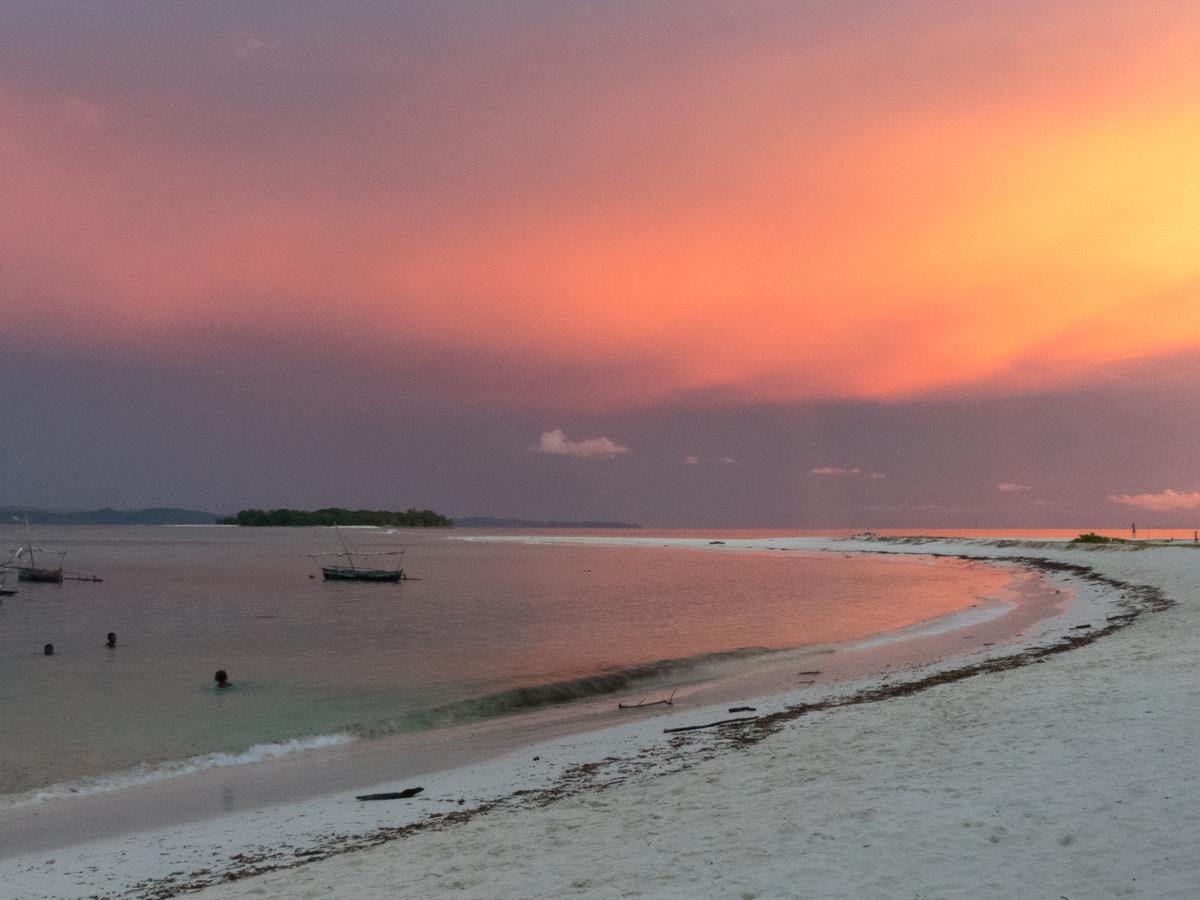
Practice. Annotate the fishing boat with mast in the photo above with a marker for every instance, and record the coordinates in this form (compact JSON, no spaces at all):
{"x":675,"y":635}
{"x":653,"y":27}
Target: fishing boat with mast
{"x":29,"y":566}
{"x":355,"y":569}
{"x":25,"y":563}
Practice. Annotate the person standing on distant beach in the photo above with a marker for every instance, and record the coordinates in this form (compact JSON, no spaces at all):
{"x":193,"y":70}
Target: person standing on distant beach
{"x":112,"y":640}
{"x":222,"y":679}
{"x":1133,"y":528}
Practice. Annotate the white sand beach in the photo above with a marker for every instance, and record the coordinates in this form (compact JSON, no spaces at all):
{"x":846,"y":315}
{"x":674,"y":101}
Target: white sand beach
{"x":1062,"y":765}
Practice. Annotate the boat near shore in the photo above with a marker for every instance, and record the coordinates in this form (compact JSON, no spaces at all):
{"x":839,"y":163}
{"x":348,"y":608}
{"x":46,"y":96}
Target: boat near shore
{"x":357,"y":573}
{"x":24,"y":562}
{"x":355,"y":567}
{"x":30,"y":564}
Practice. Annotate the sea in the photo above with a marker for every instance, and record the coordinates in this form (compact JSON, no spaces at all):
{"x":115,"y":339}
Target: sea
{"x":487,"y":626}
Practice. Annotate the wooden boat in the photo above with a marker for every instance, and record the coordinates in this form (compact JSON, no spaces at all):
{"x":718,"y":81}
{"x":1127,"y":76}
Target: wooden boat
{"x":29,"y":567}
{"x":24,"y":562}
{"x":352,"y":570}
{"x":44,"y":576}
{"x":354,"y":573}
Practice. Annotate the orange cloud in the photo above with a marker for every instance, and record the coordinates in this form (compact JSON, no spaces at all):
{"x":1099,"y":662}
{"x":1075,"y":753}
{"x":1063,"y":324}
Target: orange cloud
{"x":763,"y":220}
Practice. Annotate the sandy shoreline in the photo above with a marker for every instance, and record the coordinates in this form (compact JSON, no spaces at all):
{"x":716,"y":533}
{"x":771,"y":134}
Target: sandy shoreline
{"x":624,"y":810}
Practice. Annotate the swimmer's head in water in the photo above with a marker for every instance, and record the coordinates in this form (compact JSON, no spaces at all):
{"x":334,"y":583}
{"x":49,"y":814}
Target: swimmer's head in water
{"x":221,"y":678}
{"x":48,"y":649}
{"x":112,"y":639}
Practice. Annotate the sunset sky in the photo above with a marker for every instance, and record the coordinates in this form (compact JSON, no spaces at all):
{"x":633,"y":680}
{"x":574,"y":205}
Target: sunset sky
{"x":869,"y":264}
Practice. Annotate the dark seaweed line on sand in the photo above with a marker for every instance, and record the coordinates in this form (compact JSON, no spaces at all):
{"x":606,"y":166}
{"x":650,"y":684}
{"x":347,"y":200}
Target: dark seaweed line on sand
{"x":681,"y":752}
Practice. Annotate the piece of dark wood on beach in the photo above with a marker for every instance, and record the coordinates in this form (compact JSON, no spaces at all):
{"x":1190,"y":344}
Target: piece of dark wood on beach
{"x":670,"y":701}
{"x":813,"y":672}
{"x":710,"y":724}
{"x":392,"y":795}
{"x":734,"y":709}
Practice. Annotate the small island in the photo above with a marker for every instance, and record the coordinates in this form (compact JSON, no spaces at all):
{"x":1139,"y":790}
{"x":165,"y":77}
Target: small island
{"x":412,"y":518}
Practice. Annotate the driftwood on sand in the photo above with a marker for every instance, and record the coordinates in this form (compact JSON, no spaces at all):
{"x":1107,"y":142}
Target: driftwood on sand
{"x":710,"y":724}
{"x":670,"y":701}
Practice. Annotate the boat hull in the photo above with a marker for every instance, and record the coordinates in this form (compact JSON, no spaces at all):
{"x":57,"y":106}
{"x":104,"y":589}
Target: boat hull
{"x":344,"y":573}
{"x":45,"y":576}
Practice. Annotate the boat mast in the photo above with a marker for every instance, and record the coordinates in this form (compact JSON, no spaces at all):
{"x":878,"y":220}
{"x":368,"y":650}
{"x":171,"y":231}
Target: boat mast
{"x":29,"y":544}
{"x":349,"y":556}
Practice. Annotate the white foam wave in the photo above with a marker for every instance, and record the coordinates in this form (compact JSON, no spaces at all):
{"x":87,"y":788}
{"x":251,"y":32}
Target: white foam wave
{"x":146,"y":773}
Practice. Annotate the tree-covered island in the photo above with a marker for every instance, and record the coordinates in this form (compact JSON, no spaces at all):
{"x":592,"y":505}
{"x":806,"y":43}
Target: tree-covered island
{"x":412,"y":518}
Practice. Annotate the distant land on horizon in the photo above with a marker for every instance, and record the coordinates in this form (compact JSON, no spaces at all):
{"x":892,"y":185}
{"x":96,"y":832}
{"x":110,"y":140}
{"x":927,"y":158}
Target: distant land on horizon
{"x":157,"y":515}
{"x":164,"y":515}
{"x":490,"y":522}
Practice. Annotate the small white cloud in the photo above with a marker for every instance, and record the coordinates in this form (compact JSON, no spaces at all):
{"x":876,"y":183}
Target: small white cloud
{"x":1162,"y":502}
{"x":728,"y":460}
{"x":691,"y":460}
{"x":557,"y":443}
{"x":1007,"y":487}
{"x":855,"y":472}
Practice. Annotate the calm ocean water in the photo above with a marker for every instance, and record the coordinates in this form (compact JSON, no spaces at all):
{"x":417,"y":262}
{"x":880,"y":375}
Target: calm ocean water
{"x":491,"y":628}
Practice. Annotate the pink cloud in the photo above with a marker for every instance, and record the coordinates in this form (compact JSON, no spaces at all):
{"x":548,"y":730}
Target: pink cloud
{"x":1161,"y":502}
{"x":1007,"y":487}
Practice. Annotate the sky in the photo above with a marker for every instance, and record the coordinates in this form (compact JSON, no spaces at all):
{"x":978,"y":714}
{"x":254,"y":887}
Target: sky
{"x":797,"y":264}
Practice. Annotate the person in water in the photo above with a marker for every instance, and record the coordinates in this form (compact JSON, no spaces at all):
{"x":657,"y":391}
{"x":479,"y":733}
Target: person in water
{"x":112,"y":639}
{"x":48,"y":650}
{"x":222,"y":679}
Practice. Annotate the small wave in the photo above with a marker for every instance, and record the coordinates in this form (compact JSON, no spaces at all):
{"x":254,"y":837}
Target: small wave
{"x":531,"y":697}
{"x":150,"y":772}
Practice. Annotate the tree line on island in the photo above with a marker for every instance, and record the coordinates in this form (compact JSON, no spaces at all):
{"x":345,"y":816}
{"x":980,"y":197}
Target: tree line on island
{"x":411,"y":518}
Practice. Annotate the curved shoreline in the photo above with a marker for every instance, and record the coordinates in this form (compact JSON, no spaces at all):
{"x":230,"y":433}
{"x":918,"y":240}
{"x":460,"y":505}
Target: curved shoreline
{"x":684,"y":751}
{"x":689,"y":746}
{"x":581,"y":702}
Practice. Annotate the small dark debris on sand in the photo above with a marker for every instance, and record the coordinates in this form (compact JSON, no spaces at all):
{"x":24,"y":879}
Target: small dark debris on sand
{"x":734,"y":709}
{"x":391,"y":795}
